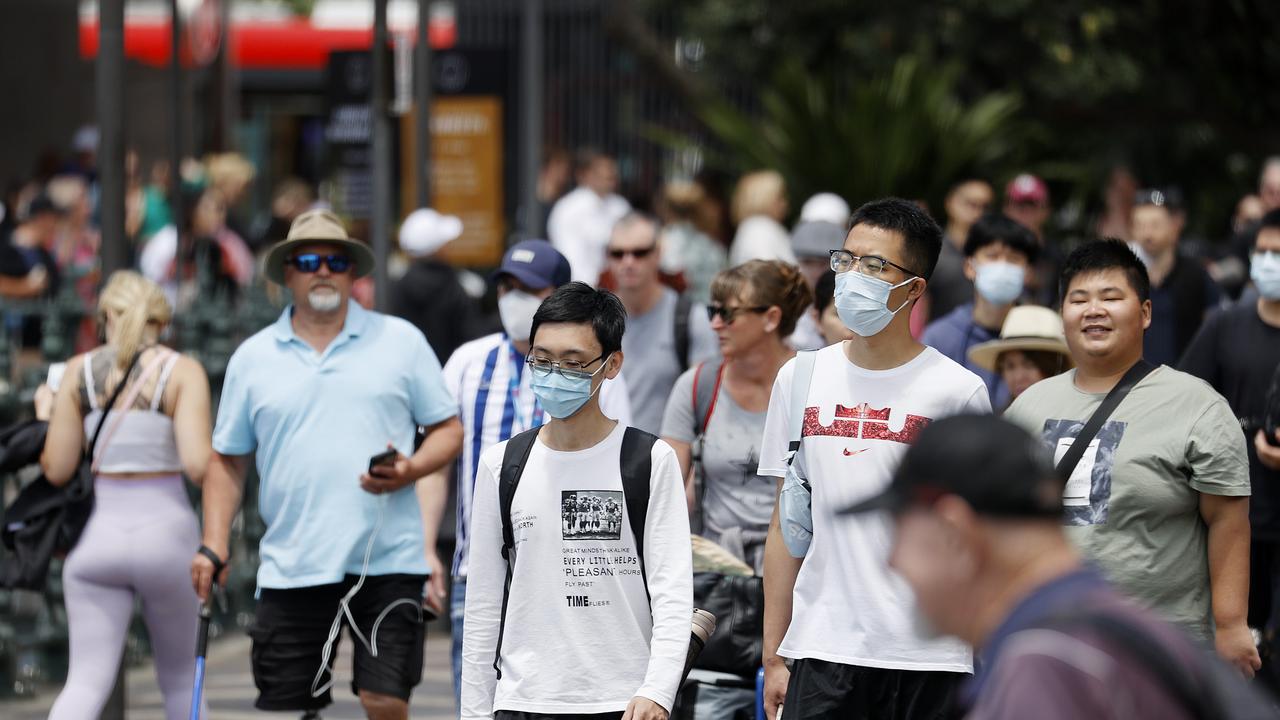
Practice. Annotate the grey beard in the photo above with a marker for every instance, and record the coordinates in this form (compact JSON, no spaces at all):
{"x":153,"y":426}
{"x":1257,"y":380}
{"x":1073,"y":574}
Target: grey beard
{"x":324,"y":301}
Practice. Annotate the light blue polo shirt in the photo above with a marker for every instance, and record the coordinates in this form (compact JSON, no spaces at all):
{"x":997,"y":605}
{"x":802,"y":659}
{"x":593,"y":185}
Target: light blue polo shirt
{"x":315,"y":420}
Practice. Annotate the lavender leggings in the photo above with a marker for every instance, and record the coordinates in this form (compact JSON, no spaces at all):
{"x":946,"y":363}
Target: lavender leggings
{"x":138,"y":544}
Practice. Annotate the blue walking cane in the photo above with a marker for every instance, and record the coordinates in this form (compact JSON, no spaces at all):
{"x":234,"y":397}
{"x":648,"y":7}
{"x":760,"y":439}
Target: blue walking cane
{"x":202,"y":635}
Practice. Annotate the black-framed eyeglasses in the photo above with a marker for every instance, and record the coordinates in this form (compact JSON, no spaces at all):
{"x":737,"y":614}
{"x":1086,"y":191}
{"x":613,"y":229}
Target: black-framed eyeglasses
{"x":571,"y":369}
{"x":637,"y":253}
{"x":310,"y":262}
{"x":843,"y":261}
{"x":729,"y":313}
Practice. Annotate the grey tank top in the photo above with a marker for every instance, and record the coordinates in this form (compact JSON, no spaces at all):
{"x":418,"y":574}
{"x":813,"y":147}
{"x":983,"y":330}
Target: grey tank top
{"x":144,"y":441}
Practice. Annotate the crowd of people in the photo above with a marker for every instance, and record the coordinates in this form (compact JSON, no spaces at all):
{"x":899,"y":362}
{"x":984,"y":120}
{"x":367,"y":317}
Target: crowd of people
{"x":932,"y":439}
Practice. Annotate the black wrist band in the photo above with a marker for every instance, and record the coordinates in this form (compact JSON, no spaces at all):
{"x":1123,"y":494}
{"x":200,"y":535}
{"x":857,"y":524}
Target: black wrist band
{"x":218,"y":563}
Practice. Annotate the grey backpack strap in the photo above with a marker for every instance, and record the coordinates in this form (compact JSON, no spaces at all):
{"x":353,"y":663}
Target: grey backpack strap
{"x":514,"y":458}
{"x":799,"y":399}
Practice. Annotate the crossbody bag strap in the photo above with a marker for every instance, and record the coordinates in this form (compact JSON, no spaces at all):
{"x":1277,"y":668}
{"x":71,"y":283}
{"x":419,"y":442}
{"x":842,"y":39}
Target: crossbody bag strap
{"x":799,"y":399}
{"x":1068,"y":463}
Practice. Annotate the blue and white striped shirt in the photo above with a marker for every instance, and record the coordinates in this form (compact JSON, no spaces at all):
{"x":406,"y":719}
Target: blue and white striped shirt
{"x":488,"y":378}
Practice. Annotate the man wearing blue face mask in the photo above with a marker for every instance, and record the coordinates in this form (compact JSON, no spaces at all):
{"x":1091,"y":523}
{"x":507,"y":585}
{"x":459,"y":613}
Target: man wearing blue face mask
{"x":1237,"y":351}
{"x":570,"y":612}
{"x":842,"y":619}
{"x":997,"y":253}
{"x":491,"y":382}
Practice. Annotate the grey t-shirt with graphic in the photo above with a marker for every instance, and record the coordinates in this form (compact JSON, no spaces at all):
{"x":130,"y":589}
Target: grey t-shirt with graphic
{"x":1133,"y":502}
{"x":650,"y":363}
{"x":737,"y":504}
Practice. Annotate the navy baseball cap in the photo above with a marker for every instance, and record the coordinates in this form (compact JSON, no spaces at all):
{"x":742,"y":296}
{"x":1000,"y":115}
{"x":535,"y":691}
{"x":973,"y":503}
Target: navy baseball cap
{"x":534,"y":263}
{"x":994,"y":465}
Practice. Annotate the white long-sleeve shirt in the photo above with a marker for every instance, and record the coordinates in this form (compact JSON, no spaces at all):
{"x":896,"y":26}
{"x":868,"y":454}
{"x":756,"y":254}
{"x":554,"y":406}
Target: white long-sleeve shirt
{"x":579,"y":227}
{"x":580,"y":636}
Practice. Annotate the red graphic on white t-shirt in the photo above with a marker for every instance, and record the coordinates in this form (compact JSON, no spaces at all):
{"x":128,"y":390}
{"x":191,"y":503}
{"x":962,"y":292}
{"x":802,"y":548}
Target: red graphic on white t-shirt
{"x":863,"y":422}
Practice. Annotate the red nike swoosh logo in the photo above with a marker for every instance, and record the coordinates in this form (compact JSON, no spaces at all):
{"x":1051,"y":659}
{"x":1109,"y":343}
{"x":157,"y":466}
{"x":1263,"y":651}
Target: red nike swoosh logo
{"x":848,"y":453}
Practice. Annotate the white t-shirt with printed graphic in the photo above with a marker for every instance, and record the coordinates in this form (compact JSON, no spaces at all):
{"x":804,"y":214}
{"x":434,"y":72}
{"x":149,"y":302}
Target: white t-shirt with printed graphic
{"x":848,"y":606}
{"x":580,"y":635}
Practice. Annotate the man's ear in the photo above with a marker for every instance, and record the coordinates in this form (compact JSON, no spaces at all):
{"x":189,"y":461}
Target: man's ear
{"x":613,"y":366}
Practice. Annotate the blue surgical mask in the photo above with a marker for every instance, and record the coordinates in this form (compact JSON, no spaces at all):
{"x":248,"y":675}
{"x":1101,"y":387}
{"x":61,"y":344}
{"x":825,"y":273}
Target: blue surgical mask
{"x":862,"y":302}
{"x":999,"y":282}
{"x":1264,"y":270}
{"x":562,"y":397}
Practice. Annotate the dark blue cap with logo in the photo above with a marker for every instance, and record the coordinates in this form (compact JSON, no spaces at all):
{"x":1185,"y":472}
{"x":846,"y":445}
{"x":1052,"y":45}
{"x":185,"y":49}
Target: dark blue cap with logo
{"x":536,"y":264}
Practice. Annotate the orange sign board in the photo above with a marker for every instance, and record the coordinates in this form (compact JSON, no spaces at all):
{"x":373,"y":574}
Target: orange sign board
{"x":466,"y":175}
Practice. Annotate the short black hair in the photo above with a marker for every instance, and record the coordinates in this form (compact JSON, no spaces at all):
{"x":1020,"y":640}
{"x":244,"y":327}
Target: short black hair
{"x":1269,"y":221}
{"x":995,"y":228}
{"x":824,"y":292}
{"x":579,"y":303}
{"x":921,"y":234}
{"x":1101,"y":255}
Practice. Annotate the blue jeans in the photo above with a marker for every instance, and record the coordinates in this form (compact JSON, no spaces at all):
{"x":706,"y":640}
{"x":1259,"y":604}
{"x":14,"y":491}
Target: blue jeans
{"x":457,"y":599}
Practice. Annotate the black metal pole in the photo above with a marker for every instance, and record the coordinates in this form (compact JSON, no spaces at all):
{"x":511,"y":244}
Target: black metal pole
{"x":110,"y":101}
{"x":379,"y":226}
{"x":531,"y":66}
{"x":175,"y":122}
{"x":422,"y":97}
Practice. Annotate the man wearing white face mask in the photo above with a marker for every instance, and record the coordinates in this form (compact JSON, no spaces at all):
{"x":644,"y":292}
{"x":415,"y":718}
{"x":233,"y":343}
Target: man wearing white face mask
{"x":589,"y":620}
{"x":997,"y":253}
{"x":489,"y":378}
{"x":841,"y":617}
{"x":1237,"y":351}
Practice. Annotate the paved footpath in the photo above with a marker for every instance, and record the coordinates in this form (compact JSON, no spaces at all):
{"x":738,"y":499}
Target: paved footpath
{"x":230,"y":692}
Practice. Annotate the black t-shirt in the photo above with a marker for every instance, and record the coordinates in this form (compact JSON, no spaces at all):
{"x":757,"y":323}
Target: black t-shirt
{"x":1237,"y":353}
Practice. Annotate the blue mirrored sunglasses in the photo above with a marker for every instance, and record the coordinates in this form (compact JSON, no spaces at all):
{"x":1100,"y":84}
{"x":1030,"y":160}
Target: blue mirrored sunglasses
{"x":310,"y":262}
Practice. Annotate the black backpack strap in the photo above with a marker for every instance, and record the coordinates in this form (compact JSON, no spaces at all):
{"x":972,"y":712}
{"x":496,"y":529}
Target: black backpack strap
{"x":684,"y":305}
{"x":514,"y":458}
{"x":1068,"y":463}
{"x":1184,"y":684}
{"x":637,"y":471}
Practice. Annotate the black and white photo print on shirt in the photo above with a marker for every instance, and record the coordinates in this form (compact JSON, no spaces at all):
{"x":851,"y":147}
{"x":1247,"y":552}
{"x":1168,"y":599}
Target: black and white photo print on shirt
{"x":591,"y":514}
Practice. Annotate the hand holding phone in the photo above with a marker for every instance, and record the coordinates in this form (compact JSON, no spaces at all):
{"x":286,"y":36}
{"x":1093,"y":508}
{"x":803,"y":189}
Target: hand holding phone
{"x":387,"y":457}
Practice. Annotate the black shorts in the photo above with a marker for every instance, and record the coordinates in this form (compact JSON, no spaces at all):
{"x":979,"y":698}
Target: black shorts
{"x":832,"y":691}
{"x":291,"y":626}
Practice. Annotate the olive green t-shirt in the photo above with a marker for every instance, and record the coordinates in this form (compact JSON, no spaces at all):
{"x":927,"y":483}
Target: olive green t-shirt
{"x":1132,"y":504}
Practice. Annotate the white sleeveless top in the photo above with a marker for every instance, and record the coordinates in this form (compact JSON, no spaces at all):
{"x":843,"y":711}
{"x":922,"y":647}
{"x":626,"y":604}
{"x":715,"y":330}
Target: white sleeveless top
{"x":144,"y":441}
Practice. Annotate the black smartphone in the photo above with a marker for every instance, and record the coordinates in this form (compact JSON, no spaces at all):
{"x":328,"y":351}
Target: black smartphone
{"x":382,"y":458}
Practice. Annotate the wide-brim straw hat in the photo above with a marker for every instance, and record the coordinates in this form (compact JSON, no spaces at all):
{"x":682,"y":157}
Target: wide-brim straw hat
{"x":1027,"y":328}
{"x":309,"y":228}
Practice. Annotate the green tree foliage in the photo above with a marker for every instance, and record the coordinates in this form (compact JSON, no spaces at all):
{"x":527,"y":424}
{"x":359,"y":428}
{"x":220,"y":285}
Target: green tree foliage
{"x":1181,"y":92}
{"x":902,"y":131}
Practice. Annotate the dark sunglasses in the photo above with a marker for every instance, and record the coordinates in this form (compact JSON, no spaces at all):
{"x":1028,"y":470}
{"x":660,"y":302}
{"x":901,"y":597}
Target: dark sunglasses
{"x":638,"y":253}
{"x":729,"y":314}
{"x":310,"y":262}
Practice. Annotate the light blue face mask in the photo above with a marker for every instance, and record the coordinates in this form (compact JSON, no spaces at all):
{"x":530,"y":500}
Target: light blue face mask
{"x":562,"y":397}
{"x":1264,"y":270}
{"x":862,"y":302}
{"x":999,"y":282}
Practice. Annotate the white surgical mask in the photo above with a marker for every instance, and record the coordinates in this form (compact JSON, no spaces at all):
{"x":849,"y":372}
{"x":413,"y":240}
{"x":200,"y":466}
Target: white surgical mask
{"x":999,"y":282}
{"x":862,"y":302}
{"x":1264,"y":270}
{"x":516,"y":308}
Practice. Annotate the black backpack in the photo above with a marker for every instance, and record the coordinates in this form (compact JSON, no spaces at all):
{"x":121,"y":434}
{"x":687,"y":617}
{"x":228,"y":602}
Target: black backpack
{"x":636,"y":466}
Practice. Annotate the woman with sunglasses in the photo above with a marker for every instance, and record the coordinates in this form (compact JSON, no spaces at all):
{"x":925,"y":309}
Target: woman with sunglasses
{"x":137,"y":543}
{"x":715,"y":415}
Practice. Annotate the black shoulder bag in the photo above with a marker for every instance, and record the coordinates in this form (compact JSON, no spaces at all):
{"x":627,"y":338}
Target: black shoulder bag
{"x":46,"y":520}
{"x":1068,"y":463}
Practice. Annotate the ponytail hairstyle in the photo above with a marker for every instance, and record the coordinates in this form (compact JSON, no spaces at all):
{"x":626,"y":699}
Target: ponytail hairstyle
{"x":138,"y":310}
{"x":769,"y":283}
